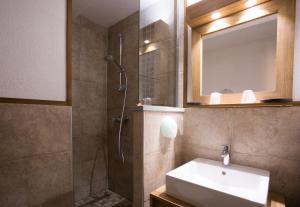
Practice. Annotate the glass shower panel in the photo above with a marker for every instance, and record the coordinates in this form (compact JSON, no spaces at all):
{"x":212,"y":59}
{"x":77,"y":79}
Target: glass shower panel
{"x":157,"y":52}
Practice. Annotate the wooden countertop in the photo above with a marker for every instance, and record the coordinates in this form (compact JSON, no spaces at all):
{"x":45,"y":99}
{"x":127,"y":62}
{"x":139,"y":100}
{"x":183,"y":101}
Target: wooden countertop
{"x":160,"y":194}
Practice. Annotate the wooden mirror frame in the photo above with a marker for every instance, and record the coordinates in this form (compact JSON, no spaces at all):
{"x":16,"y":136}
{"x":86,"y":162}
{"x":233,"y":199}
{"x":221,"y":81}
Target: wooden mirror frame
{"x":198,"y":18}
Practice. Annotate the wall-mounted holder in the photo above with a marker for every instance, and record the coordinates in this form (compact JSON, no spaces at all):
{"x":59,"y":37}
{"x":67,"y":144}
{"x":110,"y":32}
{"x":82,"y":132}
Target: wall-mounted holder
{"x":118,"y":119}
{"x":168,"y":127}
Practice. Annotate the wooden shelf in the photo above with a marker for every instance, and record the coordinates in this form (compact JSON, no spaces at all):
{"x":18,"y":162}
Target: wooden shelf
{"x":159,"y":198}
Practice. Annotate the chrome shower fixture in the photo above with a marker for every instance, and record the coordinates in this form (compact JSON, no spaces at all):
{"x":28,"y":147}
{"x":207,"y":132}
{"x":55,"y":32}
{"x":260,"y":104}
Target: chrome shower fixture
{"x":122,"y":88}
{"x":110,"y":58}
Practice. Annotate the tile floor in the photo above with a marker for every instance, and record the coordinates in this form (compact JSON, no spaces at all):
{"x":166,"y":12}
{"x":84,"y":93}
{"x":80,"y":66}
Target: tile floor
{"x":107,"y":199}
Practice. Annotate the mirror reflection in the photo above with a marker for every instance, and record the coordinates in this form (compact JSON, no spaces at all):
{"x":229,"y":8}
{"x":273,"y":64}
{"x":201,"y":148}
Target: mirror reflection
{"x":240,"y":58}
{"x":157,"y":52}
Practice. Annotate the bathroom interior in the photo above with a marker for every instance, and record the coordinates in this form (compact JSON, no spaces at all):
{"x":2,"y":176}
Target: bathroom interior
{"x":150,"y":103}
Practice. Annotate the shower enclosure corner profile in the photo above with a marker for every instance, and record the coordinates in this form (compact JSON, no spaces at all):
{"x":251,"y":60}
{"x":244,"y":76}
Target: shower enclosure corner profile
{"x":122,"y":88}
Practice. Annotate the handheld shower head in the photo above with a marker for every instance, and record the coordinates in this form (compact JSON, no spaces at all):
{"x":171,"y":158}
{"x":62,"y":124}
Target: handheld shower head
{"x":110,"y":58}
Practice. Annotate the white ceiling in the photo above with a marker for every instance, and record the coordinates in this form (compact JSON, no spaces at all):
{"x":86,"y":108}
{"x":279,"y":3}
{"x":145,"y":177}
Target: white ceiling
{"x":144,"y":4}
{"x":105,"y":12}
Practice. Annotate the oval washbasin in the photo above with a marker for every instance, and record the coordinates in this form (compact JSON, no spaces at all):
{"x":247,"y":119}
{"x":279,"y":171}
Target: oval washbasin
{"x":207,"y":183}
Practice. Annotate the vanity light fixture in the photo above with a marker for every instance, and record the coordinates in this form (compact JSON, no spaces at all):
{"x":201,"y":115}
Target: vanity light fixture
{"x":215,"y":15}
{"x":146,"y":41}
{"x":252,"y":13}
{"x":250,"y":3}
{"x":218,"y":25}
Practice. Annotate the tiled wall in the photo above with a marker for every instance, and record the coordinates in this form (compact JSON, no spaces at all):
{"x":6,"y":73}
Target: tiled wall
{"x":154,"y":155}
{"x":138,"y":159}
{"x":35,"y":156}
{"x":89,"y":107}
{"x":120,"y":175}
{"x":266,"y":138}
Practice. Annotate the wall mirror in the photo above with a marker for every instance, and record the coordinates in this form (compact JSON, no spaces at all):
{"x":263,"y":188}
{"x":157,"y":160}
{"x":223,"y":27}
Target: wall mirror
{"x":245,"y":57}
{"x":239,"y":52}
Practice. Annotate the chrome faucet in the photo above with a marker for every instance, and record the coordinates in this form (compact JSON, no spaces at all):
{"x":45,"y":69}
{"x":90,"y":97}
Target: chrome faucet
{"x":226,"y":155}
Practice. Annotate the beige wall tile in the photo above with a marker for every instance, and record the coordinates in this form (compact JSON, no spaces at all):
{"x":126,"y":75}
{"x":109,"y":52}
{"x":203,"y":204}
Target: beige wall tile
{"x":49,"y":177}
{"x":121,"y":175}
{"x":13,"y":183}
{"x":37,"y":180}
{"x":138,"y":161}
{"x":28,"y":130}
{"x":89,"y":107}
{"x":213,"y":125}
{"x":159,"y":154}
{"x":269,"y":131}
{"x":153,"y":140}
{"x":266,"y":138}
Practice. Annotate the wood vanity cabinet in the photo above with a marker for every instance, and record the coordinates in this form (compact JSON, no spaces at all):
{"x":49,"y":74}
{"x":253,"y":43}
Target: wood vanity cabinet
{"x":159,"y":198}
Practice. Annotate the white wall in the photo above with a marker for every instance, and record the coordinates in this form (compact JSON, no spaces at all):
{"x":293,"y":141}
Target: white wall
{"x":243,"y":67}
{"x":33,"y":49}
{"x":297,"y":55}
{"x":154,"y":10}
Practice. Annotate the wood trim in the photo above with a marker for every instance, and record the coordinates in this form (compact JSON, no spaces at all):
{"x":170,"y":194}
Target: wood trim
{"x":33,"y":101}
{"x":285,"y":47}
{"x":296,"y":103}
{"x":275,"y":200}
{"x":284,"y":59}
{"x":205,"y":16}
{"x":268,"y":8}
{"x":196,"y":64}
{"x":203,"y":7}
{"x":254,"y":105}
{"x":235,"y":98}
{"x":159,"y":198}
{"x":69,"y":52}
{"x":68,"y":101}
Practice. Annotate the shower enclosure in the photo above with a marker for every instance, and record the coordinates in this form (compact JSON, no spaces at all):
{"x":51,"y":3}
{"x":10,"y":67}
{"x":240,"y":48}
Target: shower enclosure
{"x":158,"y":62}
{"x":104,"y":57}
{"x":116,"y":65}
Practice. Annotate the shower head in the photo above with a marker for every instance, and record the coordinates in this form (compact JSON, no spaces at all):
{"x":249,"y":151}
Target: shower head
{"x":110,"y":58}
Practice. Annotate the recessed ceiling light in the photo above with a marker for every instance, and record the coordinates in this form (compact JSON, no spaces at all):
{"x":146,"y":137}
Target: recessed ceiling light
{"x":216,"y":15}
{"x":250,"y":3}
{"x":146,"y":41}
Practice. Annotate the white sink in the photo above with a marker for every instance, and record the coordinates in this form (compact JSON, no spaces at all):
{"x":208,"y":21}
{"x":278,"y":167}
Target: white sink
{"x":207,"y":183}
